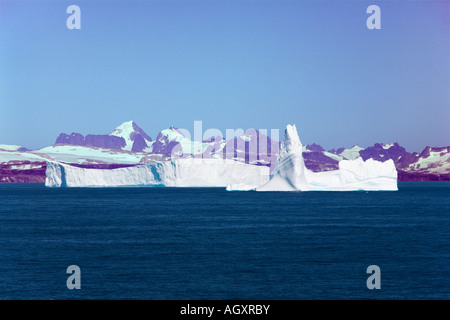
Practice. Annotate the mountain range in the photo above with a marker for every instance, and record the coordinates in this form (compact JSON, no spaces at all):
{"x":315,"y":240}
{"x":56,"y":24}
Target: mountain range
{"x":129,"y":145}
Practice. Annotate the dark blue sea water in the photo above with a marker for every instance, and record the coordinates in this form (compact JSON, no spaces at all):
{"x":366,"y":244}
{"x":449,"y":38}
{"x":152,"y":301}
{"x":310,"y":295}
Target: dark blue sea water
{"x":206,"y":243}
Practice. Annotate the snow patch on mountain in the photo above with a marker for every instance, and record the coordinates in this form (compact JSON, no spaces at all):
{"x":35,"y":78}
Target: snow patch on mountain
{"x":352,"y":153}
{"x":8,"y":147}
{"x":387,"y":146}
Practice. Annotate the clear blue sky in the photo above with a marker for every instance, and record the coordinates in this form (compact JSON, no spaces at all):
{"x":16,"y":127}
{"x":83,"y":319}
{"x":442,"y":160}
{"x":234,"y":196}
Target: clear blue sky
{"x":232,"y":64}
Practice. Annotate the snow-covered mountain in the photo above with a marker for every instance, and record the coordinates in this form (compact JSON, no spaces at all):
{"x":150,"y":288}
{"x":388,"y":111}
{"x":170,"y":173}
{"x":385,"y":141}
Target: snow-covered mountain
{"x":252,"y":147}
{"x":136,"y":140}
{"x":432,"y":162}
{"x":129,"y":145}
{"x":383,"y":152}
{"x":91,"y":140}
{"x":435,"y":160}
{"x":174,"y":142}
{"x":9,"y":147}
{"x":127,"y":137}
{"x":379,"y":152}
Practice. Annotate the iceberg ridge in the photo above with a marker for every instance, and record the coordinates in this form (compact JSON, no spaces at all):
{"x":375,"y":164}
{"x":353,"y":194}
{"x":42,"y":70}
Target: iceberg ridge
{"x":291,"y":174}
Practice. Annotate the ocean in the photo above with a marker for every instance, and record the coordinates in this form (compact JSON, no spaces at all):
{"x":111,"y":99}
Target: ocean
{"x":207,"y":243}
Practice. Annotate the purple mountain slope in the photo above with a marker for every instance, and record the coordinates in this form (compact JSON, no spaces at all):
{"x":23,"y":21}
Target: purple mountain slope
{"x":317,"y":161}
{"x":383,"y":152}
{"x":104,"y":141}
{"x":314,"y":147}
{"x":91,"y":140}
{"x":168,"y":141}
{"x":139,"y":143}
{"x":74,"y":138}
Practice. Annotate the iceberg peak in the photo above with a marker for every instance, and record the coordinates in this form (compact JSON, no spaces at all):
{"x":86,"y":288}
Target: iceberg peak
{"x":291,"y":174}
{"x":291,"y":142}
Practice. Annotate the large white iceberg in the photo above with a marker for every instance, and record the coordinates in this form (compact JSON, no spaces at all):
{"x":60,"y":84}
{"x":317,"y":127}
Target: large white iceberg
{"x":290,"y":173}
{"x":176,"y":173}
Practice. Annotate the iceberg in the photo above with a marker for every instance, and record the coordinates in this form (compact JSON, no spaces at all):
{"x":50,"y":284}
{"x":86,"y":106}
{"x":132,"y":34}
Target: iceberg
{"x":175,"y":173}
{"x":291,"y":174}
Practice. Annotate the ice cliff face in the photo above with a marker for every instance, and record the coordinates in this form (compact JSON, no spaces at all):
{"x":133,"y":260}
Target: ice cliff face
{"x":176,"y":173}
{"x":291,"y":174}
